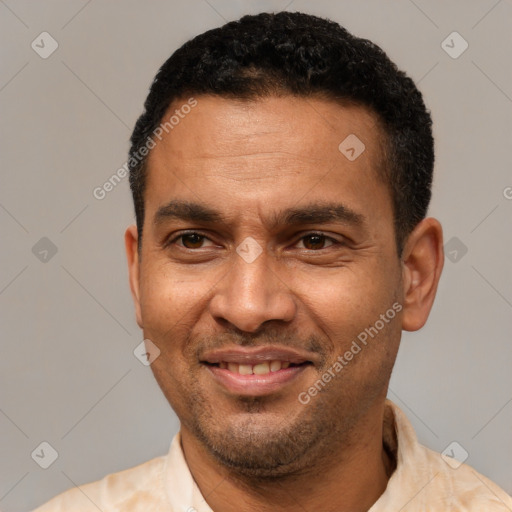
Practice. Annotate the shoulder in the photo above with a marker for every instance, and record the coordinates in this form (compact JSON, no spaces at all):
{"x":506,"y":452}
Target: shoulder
{"x":427,"y":480}
{"x":134,"y":489}
{"x":462,"y":487}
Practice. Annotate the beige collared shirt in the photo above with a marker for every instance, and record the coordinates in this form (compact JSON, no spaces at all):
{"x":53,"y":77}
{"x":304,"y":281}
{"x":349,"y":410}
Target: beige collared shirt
{"x":422,"y":482}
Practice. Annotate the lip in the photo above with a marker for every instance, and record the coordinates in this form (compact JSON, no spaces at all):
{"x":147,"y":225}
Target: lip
{"x":255,"y":385}
{"x":255,"y":355}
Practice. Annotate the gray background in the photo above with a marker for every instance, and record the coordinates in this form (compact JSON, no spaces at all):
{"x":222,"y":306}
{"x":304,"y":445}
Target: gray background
{"x":68,"y":373}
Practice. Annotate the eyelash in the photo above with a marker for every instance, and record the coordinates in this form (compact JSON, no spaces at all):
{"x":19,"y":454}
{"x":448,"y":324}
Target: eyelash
{"x":170,"y":242}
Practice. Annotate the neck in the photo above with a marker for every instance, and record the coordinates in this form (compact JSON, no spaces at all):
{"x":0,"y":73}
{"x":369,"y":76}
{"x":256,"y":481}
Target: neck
{"x":350,"y":477}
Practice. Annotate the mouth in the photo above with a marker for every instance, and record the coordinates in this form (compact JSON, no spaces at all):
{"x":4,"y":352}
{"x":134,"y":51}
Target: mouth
{"x":263,"y":368}
{"x":255,"y":371}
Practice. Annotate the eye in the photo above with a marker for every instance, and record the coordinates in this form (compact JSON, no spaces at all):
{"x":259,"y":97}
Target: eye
{"x":195,"y":240}
{"x":316,"y":241}
{"x":190,"y":240}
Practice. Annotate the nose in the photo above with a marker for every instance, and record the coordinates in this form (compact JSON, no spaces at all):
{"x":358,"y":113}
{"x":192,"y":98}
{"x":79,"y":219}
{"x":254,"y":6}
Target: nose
{"x":252,"y":294}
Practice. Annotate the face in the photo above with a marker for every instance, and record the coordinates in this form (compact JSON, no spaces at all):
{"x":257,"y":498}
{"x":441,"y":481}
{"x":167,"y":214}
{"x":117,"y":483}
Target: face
{"x":266,"y":252}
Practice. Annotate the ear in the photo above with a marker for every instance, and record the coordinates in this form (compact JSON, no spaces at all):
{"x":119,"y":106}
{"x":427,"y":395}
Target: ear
{"x":422,"y":264}
{"x":132,"y":254}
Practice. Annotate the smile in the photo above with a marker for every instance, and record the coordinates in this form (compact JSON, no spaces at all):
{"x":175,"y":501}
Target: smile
{"x":255,"y":371}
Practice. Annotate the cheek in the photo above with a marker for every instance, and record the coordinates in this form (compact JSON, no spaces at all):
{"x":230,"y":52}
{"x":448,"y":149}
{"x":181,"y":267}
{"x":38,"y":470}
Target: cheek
{"x":170,"y":305}
{"x":346,"y":301}
{"x":169,"y":295}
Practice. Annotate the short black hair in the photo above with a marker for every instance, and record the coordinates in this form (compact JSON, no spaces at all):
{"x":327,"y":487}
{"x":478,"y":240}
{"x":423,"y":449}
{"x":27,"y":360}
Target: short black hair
{"x":306,"y":56}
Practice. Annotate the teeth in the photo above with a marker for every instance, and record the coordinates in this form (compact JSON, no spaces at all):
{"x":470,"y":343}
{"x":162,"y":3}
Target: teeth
{"x":257,"y":369}
{"x":261,"y":369}
{"x":275,"y":365}
{"x":245,"y":369}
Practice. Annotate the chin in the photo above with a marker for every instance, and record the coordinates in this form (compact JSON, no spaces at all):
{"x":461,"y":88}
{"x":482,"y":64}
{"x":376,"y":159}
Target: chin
{"x":261,"y":444}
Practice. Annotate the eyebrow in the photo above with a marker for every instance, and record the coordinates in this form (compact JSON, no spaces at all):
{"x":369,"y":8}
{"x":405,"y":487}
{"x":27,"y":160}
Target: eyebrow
{"x":314,"y":213}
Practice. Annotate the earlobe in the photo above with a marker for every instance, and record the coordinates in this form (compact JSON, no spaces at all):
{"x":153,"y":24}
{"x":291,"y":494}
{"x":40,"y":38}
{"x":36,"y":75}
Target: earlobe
{"x":422,"y":264}
{"x":132,"y":256}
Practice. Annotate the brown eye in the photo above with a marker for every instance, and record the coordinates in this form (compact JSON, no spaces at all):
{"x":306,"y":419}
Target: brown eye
{"x":315,"y":241}
{"x":192,"y":241}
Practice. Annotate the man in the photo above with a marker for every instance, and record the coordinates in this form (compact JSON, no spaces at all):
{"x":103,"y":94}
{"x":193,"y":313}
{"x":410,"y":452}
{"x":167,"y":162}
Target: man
{"x":281,"y":177}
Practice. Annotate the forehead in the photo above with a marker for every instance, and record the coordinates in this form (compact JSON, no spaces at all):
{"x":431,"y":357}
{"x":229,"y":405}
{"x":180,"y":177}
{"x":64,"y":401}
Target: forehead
{"x":308,"y":126}
{"x":234,"y":152}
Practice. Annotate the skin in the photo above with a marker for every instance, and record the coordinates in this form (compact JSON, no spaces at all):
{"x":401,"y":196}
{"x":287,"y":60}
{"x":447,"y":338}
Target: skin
{"x":250,"y":160}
